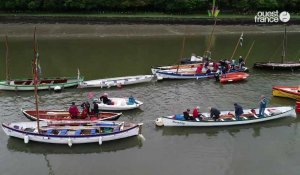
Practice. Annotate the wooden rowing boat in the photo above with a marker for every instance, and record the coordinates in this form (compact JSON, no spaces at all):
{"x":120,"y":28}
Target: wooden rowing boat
{"x":66,"y":133}
{"x":227,"y":118}
{"x":233,"y":77}
{"x":118,"y":81}
{"x":44,"y":83}
{"x":188,"y":75}
{"x":286,"y":91}
{"x":62,"y":115}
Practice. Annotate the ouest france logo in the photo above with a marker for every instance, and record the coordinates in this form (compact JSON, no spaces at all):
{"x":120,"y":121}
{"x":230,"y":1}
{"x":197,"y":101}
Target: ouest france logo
{"x":272,"y":17}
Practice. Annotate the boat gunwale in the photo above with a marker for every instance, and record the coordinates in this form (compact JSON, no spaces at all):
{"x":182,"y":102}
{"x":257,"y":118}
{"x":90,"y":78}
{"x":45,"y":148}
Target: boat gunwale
{"x":277,"y":88}
{"x":212,"y":121}
{"x":67,"y":136}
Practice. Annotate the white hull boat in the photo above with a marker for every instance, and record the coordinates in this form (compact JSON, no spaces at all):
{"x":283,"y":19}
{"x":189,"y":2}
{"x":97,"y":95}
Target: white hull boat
{"x":189,"y":75}
{"x":118,"y":81}
{"x":227,"y":118}
{"x":119,"y":104}
{"x":71,"y":134}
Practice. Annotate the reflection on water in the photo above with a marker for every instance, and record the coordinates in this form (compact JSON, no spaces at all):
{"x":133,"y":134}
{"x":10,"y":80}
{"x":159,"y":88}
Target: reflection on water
{"x":231,"y":130}
{"x":17,"y":145}
{"x":248,"y":149}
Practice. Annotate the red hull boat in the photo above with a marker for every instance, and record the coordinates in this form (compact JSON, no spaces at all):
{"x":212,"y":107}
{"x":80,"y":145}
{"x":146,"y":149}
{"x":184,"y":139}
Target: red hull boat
{"x":233,"y":77}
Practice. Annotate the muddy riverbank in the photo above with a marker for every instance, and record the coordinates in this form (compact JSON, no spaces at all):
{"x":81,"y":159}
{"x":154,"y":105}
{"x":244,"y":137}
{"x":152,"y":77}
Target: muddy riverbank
{"x":125,"y":30}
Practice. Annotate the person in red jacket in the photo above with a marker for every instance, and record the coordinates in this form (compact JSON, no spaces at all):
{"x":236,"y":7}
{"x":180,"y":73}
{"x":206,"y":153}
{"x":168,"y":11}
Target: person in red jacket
{"x":196,"y":113}
{"x":199,"y":69}
{"x":73,"y":110}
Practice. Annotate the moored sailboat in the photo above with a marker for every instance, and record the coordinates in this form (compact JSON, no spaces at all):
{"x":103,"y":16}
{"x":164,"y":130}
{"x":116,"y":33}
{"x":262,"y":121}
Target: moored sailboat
{"x":44,"y":83}
{"x":57,"y":132}
{"x":283,"y":65}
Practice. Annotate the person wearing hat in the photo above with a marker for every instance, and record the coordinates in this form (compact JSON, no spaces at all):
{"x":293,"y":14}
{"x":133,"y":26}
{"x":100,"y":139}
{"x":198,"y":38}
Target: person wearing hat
{"x":73,"y":110}
{"x":238,"y":111}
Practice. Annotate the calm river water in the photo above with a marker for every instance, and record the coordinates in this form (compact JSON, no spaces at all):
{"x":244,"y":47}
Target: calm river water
{"x":265,"y":148}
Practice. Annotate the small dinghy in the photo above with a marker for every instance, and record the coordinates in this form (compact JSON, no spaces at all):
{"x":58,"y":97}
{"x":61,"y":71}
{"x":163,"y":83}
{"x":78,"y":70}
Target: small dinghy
{"x":286,"y":91}
{"x":118,"y":81}
{"x":62,"y":115}
{"x":119,"y":104}
{"x":60,"y":133}
{"x":227,"y":118}
{"x":233,"y":77}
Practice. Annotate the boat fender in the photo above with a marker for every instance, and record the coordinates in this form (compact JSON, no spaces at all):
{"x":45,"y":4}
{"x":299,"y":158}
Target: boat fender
{"x":297,"y":106}
{"x":70,"y":142}
{"x":26,"y":139}
{"x":159,"y":78}
{"x":57,"y":88}
{"x":159,"y":122}
{"x":100,"y":140}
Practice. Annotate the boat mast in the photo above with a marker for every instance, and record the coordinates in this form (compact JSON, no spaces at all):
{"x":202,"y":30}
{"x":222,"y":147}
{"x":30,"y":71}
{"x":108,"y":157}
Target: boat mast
{"x":35,"y":79}
{"x":236,"y":46}
{"x":284,"y":45}
{"x":249,"y":51}
{"x":182,"y":49}
{"x":207,"y":53}
{"x":6,"y":60}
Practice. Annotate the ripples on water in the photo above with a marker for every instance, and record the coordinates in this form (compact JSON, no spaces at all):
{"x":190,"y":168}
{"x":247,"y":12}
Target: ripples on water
{"x":264,"y":148}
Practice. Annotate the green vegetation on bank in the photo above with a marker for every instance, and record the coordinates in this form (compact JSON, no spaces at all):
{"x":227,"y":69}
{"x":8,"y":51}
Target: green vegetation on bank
{"x":136,"y":6}
{"x":138,"y":15}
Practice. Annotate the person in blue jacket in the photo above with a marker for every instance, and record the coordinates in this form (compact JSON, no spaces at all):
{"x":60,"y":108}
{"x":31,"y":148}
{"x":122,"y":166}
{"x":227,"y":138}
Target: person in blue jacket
{"x":238,"y":111}
{"x":262,"y":106}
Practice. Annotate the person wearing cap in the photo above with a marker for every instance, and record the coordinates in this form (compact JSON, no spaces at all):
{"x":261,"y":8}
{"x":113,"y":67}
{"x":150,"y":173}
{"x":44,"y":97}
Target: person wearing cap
{"x":238,"y":111}
{"x":214,"y":113}
{"x":186,"y":115}
{"x":73,"y":110}
{"x":105,"y":99}
{"x":262,"y":106}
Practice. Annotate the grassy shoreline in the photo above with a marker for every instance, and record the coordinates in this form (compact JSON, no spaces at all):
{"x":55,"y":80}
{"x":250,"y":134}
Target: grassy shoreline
{"x":137,"y":18}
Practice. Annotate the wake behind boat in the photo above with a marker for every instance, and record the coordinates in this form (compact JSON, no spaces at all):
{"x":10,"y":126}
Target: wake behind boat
{"x":62,"y":115}
{"x":118,"y":81}
{"x":70,"y":134}
{"x":227,"y":118}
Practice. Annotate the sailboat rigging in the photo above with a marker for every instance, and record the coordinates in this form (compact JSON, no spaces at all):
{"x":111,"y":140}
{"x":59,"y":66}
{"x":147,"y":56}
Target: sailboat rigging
{"x":283,"y":64}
